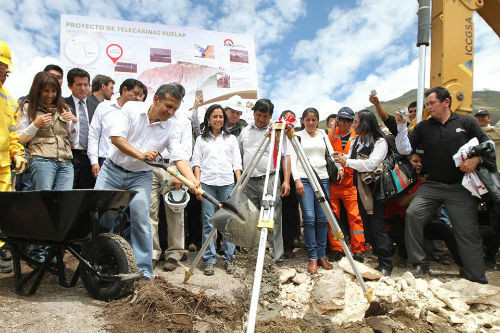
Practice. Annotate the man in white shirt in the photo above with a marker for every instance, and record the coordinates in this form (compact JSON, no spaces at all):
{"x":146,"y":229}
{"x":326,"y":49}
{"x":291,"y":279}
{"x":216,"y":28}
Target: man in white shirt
{"x":138,"y":135}
{"x":249,"y":140}
{"x":103,"y":120}
{"x":175,"y":219}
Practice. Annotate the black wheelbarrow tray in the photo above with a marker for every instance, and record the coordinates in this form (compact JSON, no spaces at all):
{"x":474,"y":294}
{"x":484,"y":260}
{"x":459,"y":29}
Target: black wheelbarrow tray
{"x":68,"y":220}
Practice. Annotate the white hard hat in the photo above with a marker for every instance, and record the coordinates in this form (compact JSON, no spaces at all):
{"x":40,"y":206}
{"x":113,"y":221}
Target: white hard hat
{"x":177,"y":200}
{"x":236,"y":103}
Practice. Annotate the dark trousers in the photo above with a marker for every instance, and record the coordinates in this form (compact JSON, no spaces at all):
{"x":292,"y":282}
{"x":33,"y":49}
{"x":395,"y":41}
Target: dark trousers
{"x":290,"y":217}
{"x":193,"y":221}
{"x":83,"y":176}
{"x":374,"y":225}
{"x":437,"y":230}
{"x":462,"y":208}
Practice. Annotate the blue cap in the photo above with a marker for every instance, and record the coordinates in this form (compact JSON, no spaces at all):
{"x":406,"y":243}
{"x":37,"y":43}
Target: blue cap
{"x":345,"y":113}
{"x":482,"y":112}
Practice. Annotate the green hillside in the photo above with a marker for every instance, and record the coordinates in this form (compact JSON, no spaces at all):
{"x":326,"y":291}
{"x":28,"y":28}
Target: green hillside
{"x":489,"y":100}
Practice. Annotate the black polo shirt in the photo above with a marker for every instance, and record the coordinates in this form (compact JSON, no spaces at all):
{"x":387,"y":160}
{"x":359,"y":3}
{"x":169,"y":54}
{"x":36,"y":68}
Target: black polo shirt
{"x":441,"y":141}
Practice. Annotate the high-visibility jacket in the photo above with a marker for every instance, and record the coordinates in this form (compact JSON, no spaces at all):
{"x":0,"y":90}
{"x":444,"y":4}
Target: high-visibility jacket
{"x":336,"y":141}
{"x":9,"y":141}
{"x":346,"y":192}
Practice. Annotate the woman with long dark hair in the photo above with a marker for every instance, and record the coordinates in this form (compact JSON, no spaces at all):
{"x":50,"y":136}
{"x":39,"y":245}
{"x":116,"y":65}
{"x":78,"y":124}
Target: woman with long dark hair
{"x":365,"y":155}
{"x":216,"y":161}
{"x":315,"y":145}
{"x":49,"y":128}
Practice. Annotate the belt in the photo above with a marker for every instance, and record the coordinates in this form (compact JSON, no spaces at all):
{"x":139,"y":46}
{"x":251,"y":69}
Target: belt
{"x":101,"y":160}
{"x":117,"y":166}
{"x":263,"y":176}
{"x":79,"y":151}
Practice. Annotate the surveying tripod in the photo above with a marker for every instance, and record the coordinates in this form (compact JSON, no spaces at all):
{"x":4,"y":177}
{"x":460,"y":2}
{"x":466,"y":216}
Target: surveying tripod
{"x":274,"y":136}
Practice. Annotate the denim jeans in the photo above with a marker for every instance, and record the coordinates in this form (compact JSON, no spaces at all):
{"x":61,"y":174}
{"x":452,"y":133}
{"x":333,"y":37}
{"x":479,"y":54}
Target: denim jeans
{"x":49,"y":174}
{"x":221,"y":193}
{"x":314,"y":220}
{"x":110,"y":177}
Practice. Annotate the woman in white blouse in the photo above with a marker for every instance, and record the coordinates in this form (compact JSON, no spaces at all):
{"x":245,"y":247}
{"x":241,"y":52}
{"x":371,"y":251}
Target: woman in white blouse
{"x":216,"y":161}
{"x":315,"y":144}
{"x":365,"y":156}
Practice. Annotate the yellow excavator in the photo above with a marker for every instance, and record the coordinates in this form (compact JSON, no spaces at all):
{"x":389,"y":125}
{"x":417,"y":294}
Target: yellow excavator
{"x":452,"y":49}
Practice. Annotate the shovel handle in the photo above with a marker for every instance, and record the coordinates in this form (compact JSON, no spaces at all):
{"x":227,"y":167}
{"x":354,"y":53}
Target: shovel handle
{"x":190,"y":184}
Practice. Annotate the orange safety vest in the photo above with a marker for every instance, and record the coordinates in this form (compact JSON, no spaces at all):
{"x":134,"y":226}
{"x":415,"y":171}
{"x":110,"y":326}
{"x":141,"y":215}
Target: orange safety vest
{"x":336,"y":142}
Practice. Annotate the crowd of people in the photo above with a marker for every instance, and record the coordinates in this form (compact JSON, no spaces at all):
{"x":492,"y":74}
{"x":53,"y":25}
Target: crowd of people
{"x":91,"y":140}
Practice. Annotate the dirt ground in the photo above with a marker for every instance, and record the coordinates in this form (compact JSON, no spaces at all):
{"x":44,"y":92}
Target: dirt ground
{"x":216,"y":303}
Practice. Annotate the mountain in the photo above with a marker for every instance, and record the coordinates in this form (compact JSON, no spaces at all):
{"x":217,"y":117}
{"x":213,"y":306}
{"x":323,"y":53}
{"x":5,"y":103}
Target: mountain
{"x":486,"y":99}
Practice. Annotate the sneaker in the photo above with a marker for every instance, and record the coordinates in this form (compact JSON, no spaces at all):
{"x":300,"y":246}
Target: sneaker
{"x":5,"y":254}
{"x":209,"y":270}
{"x":170,"y":265}
{"x":335,"y":256}
{"x":358,"y":256}
{"x":5,"y":267}
{"x":230,"y":267}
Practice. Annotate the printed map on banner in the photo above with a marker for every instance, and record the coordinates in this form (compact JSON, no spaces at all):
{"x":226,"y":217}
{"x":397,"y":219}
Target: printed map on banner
{"x":213,"y":64}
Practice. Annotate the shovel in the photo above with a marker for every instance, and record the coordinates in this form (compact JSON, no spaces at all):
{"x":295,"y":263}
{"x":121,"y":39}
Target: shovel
{"x":236,"y":218}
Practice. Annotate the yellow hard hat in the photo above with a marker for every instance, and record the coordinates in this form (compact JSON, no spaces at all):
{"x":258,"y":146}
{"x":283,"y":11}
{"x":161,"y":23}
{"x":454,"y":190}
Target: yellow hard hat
{"x":5,"y":56}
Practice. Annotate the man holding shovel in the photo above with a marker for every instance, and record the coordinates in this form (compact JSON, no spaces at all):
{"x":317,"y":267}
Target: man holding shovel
{"x":138,"y":135}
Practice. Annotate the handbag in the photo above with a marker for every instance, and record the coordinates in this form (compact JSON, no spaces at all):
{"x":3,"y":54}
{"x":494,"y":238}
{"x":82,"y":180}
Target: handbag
{"x":398,"y":175}
{"x":331,"y":168}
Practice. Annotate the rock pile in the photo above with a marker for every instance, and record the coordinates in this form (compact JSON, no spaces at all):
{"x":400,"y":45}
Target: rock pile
{"x":400,"y":304}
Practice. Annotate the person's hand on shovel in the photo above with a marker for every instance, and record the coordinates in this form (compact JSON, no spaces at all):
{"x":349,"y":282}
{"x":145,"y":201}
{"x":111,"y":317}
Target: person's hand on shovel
{"x":150,"y":155}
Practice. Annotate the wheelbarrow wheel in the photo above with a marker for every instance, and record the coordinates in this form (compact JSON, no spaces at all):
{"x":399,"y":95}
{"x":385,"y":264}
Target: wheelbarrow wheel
{"x":112,"y":255}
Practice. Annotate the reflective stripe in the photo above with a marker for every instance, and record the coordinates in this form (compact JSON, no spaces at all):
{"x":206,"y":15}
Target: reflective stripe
{"x":12,"y":128}
{"x":9,"y":98}
{"x":357,"y":232}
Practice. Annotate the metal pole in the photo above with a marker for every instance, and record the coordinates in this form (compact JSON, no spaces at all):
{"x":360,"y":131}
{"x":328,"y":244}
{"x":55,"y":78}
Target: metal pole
{"x":424,"y":21}
{"x":265,"y":215}
{"x":320,"y":195}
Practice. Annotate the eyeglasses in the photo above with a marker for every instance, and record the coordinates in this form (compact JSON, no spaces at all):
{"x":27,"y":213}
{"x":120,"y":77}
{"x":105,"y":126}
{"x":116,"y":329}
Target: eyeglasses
{"x":412,"y":111}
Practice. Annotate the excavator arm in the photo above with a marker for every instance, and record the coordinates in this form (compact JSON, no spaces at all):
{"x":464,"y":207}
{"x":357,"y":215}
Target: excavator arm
{"x":452,"y":45}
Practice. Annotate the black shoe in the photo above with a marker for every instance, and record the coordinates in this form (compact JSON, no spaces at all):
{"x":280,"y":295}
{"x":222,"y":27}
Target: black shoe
{"x":289,"y":254}
{"x":335,"y":256}
{"x":385,"y":271}
{"x":209,"y":270}
{"x":358,"y":257}
{"x":420,"y":270}
{"x":443,"y":260}
{"x":184,"y":257}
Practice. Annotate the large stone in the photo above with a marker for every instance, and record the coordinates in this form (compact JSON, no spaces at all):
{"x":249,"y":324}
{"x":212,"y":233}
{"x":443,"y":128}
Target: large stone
{"x":328,"y":293}
{"x":286,"y":274}
{"x":421,"y":285}
{"x":409,"y":278}
{"x":301,"y":278}
{"x":365,"y":270}
{"x":472,"y":292}
{"x":382,"y":324}
{"x":449,"y":297}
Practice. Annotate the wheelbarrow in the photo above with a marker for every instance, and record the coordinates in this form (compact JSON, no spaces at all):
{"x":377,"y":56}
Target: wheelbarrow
{"x":68,"y":220}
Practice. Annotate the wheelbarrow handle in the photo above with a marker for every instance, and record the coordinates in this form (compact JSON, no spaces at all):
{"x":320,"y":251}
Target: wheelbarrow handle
{"x":184,"y":180}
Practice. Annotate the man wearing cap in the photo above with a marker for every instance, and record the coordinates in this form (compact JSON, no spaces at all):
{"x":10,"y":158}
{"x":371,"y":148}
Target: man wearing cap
{"x":234,"y":109}
{"x":10,"y":148}
{"x":483,"y":119}
{"x":341,"y":140}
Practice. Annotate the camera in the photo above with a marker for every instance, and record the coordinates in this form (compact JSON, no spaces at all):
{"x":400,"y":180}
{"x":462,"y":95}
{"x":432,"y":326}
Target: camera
{"x":373,"y":92}
{"x":403,"y":112}
{"x":481,"y":149}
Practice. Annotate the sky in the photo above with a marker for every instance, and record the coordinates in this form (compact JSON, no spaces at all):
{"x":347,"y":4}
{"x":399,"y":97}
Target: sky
{"x":319,"y":53}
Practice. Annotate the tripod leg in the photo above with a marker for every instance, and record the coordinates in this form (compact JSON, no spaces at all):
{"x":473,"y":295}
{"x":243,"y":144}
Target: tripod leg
{"x":328,"y":212}
{"x":188,"y":272}
{"x":252,"y":314}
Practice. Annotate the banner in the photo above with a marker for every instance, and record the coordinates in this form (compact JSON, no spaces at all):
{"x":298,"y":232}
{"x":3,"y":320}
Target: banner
{"x":215,"y":65}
